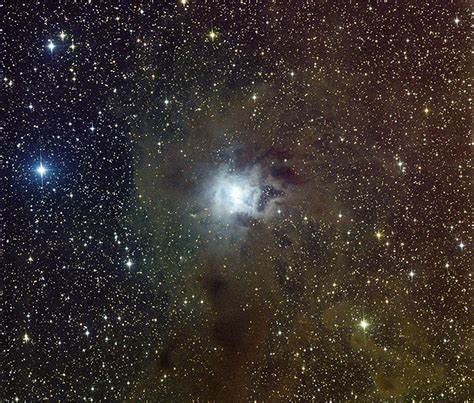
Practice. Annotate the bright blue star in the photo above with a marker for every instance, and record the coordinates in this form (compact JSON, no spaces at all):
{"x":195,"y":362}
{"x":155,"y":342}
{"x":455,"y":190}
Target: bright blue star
{"x":41,"y":169}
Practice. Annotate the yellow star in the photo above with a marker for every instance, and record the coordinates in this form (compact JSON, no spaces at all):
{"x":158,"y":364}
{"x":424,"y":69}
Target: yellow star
{"x":212,"y":35}
{"x":364,"y":324}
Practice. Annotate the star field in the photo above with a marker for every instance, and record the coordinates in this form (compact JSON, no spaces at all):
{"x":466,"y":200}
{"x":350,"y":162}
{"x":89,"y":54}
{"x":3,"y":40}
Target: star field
{"x":225,"y":201}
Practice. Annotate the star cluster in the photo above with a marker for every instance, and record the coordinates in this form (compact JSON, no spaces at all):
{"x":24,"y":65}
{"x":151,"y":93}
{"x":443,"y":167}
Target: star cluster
{"x":237,"y":201}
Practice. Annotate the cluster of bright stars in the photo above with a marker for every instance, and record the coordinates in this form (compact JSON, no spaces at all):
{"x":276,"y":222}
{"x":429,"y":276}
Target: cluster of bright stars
{"x":62,"y":36}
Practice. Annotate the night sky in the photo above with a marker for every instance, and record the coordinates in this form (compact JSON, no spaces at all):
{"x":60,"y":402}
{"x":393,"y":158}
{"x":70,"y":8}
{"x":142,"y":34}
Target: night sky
{"x":236,"y":201}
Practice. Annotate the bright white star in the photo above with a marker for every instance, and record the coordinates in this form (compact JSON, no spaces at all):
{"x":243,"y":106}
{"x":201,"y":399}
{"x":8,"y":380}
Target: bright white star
{"x":41,"y":169}
{"x":51,"y":46}
{"x":364,"y":324}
